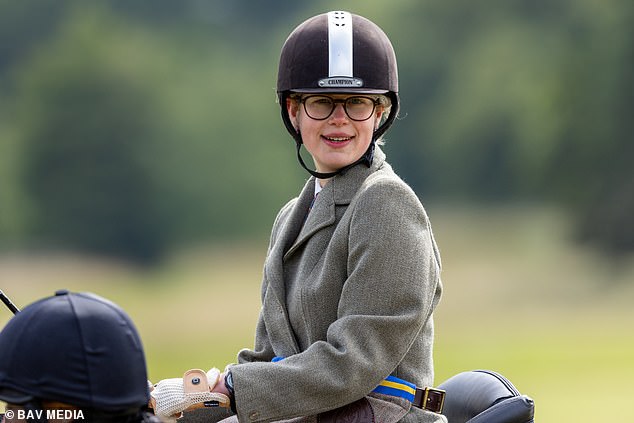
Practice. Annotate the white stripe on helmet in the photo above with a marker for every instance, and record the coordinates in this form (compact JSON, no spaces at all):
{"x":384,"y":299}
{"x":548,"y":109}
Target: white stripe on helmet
{"x":340,"y":44}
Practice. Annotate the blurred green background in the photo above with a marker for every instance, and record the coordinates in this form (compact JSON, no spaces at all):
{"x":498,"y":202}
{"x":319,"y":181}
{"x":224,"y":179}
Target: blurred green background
{"x":142,"y":157}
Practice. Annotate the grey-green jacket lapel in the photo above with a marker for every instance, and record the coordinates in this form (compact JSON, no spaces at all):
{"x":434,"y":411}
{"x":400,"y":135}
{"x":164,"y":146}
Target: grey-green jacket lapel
{"x":295,"y":233}
{"x":339,"y":191}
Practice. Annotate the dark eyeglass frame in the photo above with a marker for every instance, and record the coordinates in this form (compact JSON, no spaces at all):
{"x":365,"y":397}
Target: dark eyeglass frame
{"x":344,"y":101}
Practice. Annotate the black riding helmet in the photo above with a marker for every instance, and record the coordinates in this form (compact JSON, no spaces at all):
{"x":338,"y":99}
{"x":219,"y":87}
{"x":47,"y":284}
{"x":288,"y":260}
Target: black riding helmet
{"x":338,"y":52}
{"x":74,"y":348}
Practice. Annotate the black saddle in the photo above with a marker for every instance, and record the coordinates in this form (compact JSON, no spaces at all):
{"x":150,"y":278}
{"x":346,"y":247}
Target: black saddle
{"x":483,"y":396}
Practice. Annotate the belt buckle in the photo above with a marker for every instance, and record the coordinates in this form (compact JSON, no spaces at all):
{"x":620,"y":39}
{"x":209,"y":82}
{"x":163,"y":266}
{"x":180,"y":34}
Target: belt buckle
{"x":431,"y":399}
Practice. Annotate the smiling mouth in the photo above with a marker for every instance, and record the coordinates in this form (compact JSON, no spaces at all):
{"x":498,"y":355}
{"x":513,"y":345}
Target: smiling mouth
{"x":337,"y":139}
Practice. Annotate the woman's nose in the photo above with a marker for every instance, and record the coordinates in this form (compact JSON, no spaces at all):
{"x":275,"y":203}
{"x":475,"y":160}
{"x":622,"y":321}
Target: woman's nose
{"x":339,"y":113}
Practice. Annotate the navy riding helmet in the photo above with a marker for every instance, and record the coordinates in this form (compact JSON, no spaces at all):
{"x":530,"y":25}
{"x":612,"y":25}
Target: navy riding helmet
{"x":77,"y":349}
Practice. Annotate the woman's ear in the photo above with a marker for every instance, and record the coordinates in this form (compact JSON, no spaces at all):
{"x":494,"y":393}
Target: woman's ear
{"x":379,"y":117}
{"x":292,"y":108}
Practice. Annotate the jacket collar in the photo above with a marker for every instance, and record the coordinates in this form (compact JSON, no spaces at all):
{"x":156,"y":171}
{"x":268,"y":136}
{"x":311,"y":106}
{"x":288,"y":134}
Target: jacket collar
{"x":344,"y":187}
{"x":338,"y":191}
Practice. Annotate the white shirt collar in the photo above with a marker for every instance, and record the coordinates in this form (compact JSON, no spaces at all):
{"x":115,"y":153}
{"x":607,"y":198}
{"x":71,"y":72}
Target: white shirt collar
{"x":317,"y":186}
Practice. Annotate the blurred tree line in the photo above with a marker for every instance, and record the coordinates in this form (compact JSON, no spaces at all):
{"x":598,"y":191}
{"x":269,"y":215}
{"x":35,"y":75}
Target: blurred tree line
{"x":132,"y":128}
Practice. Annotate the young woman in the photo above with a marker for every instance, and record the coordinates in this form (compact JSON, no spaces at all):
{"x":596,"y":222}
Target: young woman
{"x":351,"y":278}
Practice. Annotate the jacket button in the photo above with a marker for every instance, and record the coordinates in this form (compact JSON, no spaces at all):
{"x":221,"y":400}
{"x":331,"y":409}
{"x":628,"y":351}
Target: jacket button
{"x":254,"y":415}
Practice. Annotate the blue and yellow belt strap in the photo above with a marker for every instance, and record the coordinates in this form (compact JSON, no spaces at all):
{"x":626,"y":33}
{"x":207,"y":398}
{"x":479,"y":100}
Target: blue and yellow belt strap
{"x":396,"y":387}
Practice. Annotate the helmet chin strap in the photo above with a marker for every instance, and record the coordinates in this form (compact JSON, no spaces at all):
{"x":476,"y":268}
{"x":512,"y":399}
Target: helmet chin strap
{"x":366,"y":159}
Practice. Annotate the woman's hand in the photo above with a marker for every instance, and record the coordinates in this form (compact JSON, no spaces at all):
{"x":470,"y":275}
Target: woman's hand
{"x":220,"y":387}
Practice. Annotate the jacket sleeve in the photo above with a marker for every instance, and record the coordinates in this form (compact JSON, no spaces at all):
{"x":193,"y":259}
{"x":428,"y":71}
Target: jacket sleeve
{"x":386,"y":299}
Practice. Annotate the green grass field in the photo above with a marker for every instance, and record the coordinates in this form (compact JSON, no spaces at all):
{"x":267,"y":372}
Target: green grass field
{"x":519,"y":298}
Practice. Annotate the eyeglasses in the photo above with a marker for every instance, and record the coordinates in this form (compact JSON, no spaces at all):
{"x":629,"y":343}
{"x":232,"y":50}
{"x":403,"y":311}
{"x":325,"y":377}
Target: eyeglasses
{"x":358,"y":108}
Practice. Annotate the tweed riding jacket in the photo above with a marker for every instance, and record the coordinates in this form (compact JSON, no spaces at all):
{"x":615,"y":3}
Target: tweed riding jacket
{"x":348,"y":292}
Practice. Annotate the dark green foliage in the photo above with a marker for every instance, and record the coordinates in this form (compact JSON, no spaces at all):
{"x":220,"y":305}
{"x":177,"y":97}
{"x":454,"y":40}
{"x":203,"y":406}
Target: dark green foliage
{"x":85,"y":170}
